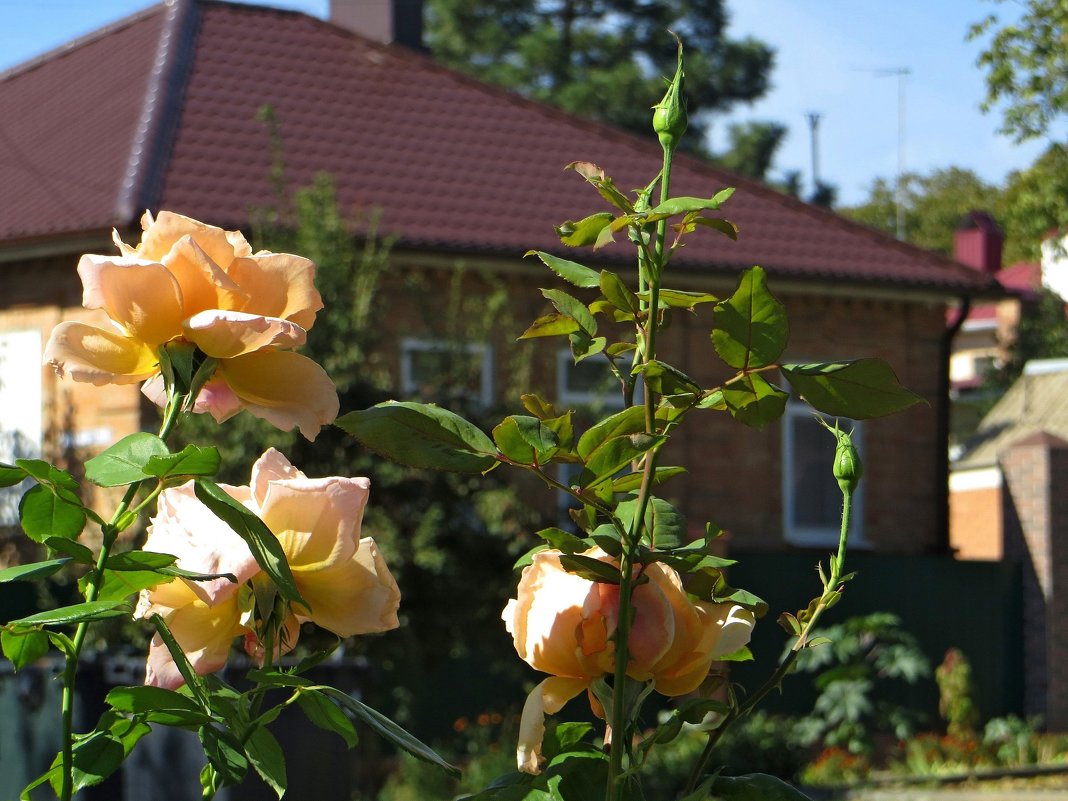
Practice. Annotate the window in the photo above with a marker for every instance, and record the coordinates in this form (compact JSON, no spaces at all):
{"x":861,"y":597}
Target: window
{"x":437,"y":371}
{"x":812,"y":501}
{"x":20,"y":409}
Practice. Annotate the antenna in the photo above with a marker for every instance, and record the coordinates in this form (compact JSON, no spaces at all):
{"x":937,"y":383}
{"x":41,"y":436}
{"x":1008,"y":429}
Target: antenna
{"x":899,"y":185}
{"x":813,"y":126}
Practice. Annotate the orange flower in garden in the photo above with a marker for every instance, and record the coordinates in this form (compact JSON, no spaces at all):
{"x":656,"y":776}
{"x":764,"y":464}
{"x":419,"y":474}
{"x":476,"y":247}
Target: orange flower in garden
{"x":342,"y":576}
{"x":192,"y":282}
{"x":563,"y":624}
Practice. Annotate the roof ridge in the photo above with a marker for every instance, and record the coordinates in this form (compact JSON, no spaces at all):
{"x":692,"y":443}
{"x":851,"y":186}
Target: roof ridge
{"x":81,"y":41}
{"x":146,"y":162}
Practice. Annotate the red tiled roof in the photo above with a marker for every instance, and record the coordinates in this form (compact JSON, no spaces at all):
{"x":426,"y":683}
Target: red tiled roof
{"x":1021,"y":279}
{"x":453,"y":164}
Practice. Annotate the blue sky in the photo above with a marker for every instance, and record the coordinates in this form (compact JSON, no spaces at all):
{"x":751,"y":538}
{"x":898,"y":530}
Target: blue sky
{"x":826,"y":51}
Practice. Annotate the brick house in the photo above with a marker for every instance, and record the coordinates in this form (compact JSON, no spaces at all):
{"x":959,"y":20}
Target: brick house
{"x":159,"y":110}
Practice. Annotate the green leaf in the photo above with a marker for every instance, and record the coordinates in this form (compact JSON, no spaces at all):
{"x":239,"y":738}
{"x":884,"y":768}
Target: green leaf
{"x":118,"y":585}
{"x":265,"y":547}
{"x":662,"y":520}
{"x":859,"y":389}
{"x":139,"y":560}
{"x":192,"y":460}
{"x":23,"y":647}
{"x":604,"y":185}
{"x":267,"y":758}
{"x":583,"y":345}
{"x":628,"y":421}
{"x":743,"y":654}
{"x":563,"y":737}
{"x":32,"y":571}
{"x":750,"y":326}
{"x":10,"y":475}
{"x":617,"y":293}
{"x":590,"y":569}
{"x":585,"y":231}
{"x":525,"y":439}
{"x":327,"y":715}
{"x":753,"y":401}
{"x":538,"y":406}
{"x":550,"y":325}
{"x":563,"y":541}
{"x":679,"y":299}
{"x":421,"y":435}
{"x":389,"y":730}
{"x":76,"y":613}
{"x":44,"y":473}
{"x":124,"y":462}
{"x":725,"y":227}
{"x":613,"y":443}
{"x":667,"y":380}
{"x":633,"y":481}
{"x":683,"y":205}
{"x":95,"y":758}
{"x":572,"y":307}
{"x":158,"y":705}
{"x":224,"y":753}
{"x":75,"y":550}
{"x":44,"y":514}
{"x":571,"y":271}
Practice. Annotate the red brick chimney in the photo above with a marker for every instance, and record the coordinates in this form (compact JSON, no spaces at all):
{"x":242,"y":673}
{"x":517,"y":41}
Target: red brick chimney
{"x":977,"y":242}
{"x":387,"y":21}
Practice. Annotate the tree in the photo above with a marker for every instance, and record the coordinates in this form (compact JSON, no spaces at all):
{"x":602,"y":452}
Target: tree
{"x":1042,"y":333}
{"x":1034,"y":204}
{"x":934,"y":205}
{"x":593,"y":57}
{"x":1026,"y":66}
{"x":752,"y":147}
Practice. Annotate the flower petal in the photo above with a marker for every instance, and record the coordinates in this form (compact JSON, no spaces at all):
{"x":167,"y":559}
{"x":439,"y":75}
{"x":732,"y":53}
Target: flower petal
{"x":141,"y":296}
{"x":317,"y":520}
{"x":99,"y":357}
{"x":547,"y":698}
{"x":161,"y":234}
{"x":735,"y":625}
{"x":358,"y":596}
{"x":203,"y":282}
{"x":205,"y":633}
{"x":225,"y":334}
{"x":283,"y":388}
{"x":278,"y":285}
{"x":271,"y":466}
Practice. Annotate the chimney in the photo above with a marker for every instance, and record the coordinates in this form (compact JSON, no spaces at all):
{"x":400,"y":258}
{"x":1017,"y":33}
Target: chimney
{"x":977,"y":242}
{"x":386,"y":21}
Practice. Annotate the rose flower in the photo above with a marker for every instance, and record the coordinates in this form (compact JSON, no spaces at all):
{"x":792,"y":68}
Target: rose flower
{"x":563,"y":624}
{"x":197,"y":283}
{"x":317,"y":521}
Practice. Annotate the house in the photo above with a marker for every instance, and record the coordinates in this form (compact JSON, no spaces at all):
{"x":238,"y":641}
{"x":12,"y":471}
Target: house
{"x":159,"y":111}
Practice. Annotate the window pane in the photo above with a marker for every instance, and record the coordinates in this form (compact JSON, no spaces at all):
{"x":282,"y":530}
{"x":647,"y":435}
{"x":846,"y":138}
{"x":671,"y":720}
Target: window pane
{"x":817,"y":499}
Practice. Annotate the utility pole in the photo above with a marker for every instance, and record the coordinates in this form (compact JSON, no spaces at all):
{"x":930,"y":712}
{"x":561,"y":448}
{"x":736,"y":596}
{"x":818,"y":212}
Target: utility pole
{"x":899,"y":185}
{"x":813,"y":118}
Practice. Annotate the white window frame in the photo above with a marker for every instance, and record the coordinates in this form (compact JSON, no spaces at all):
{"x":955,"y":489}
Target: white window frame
{"x":817,"y":536}
{"x":409,"y":345}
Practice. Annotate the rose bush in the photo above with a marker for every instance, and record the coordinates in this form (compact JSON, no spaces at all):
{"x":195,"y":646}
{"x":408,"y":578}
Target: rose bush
{"x":191,"y":282}
{"x":563,"y":624}
{"x":342,"y":576}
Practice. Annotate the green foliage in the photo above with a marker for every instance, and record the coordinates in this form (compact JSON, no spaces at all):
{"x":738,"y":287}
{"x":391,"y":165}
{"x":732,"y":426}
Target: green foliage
{"x":956,"y":704}
{"x":593,"y":57}
{"x":751,"y":147}
{"x":1042,"y":333}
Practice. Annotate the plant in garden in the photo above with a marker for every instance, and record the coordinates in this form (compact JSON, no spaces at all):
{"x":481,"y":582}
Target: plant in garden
{"x":956,"y":704}
{"x":211,"y":327}
{"x":626,"y":604}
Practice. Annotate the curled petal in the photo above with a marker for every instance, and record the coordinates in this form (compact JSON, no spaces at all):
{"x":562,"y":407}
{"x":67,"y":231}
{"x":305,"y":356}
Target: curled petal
{"x":358,"y":596}
{"x":225,"y":334}
{"x":160,"y":235}
{"x":735,"y":624}
{"x":203,"y":283}
{"x":271,"y":466}
{"x":99,"y":357}
{"x":317,"y":520}
{"x":141,"y":296}
{"x":547,"y":698}
{"x":278,"y":285}
{"x":283,"y":388}
{"x":205,"y":633}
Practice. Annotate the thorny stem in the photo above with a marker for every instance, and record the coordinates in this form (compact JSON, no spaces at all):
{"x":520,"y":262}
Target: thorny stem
{"x":775,"y":680}
{"x":109,"y":533}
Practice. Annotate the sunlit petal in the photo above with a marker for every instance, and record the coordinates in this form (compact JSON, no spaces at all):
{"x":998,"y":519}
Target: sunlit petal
{"x":317,"y":520}
{"x":284,"y":388}
{"x":203,"y":283}
{"x":161,"y":234}
{"x":279,"y":285}
{"x":205,"y":633}
{"x":99,"y":357}
{"x":271,"y":466}
{"x":141,"y":296}
{"x":225,"y":334}
{"x":547,"y":698}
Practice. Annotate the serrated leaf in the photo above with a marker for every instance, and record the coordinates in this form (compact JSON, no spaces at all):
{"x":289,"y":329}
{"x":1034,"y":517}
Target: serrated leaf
{"x":617,"y":293}
{"x":550,"y":325}
{"x":859,"y":389}
{"x":421,"y":435}
{"x":118,"y":585}
{"x":743,"y":654}
{"x":725,"y":227}
{"x":327,"y":715}
{"x":604,"y":184}
{"x":563,"y":541}
{"x":753,"y":401}
{"x":44,"y":514}
{"x":75,"y":550}
{"x":264,"y":545}
{"x":632,"y":481}
{"x":32,"y":571}
{"x":75,"y":613}
{"x":684,"y":205}
{"x":10,"y":475}
{"x":124,"y":462}
{"x":538,"y":406}
{"x":571,"y":271}
{"x":664,"y":379}
{"x":192,"y":460}
{"x":161,"y":706}
{"x":267,"y":758}
{"x":583,"y":345}
{"x":628,"y":421}
{"x":224,"y":753}
{"x":583,"y":232}
{"x":525,"y":439}
{"x":750,"y":326}
{"x":44,"y":473}
{"x":23,"y":648}
{"x":589,"y":568}
{"x":679,"y":299}
{"x":572,"y":307}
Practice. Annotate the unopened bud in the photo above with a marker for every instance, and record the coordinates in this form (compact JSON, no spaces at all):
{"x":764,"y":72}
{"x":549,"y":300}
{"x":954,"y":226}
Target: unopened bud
{"x":669,"y":115}
{"x":848,"y":468}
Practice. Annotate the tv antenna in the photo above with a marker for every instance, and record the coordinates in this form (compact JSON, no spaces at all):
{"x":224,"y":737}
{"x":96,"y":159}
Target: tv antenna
{"x":899,"y":185}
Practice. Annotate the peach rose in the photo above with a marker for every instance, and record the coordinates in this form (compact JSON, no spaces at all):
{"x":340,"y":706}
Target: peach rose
{"x":198,"y":283}
{"x":317,"y":521}
{"x":563,"y":624}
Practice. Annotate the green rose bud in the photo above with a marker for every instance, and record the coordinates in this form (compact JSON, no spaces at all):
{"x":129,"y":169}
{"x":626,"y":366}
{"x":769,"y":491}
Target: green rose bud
{"x":848,"y":469}
{"x":669,"y":115}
